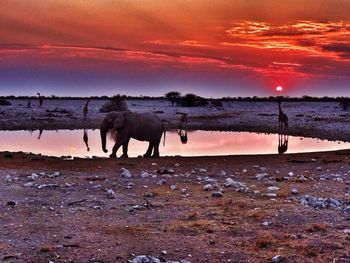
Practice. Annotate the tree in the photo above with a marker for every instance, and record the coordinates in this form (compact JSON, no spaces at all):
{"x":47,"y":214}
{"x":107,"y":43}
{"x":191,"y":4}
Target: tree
{"x":173,"y":97}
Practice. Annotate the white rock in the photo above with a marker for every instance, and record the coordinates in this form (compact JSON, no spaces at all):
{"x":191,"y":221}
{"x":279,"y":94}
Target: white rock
{"x":290,"y":174}
{"x":111,"y":194}
{"x":177,"y":165}
{"x":202,"y":170}
{"x":171,"y":171}
{"x":208,"y":187}
{"x":124,"y":173}
{"x":154,"y":164}
{"x":256,"y":192}
{"x":271,"y":195}
{"x":265,"y":223}
{"x":272,"y":188}
{"x":244,"y":171}
{"x":230,"y":182}
{"x":277,"y":259}
{"x":29,"y":184}
{"x":173,"y":187}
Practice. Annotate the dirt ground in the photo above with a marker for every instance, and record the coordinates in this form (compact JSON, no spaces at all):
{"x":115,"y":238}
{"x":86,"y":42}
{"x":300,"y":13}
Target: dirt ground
{"x":63,"y":212}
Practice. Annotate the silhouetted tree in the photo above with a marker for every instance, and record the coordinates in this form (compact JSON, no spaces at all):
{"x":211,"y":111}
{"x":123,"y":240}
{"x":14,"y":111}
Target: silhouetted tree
{"x":173,"y":96}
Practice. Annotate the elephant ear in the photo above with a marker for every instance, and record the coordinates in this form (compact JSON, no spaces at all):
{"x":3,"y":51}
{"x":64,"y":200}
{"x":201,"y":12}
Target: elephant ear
{"x":119,"y":121}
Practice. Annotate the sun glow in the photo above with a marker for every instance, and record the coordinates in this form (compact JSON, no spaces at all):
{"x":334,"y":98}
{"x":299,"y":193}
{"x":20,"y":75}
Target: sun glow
{"x":279,"y":88}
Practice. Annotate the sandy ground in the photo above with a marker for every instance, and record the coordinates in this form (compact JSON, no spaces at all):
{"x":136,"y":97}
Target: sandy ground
{"x":324,"y":120}
{"x":69,"y":217}
{"x":55,"y":210}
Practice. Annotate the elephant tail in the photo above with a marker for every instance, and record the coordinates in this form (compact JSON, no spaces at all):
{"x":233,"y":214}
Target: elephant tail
{"x":164,"y":131}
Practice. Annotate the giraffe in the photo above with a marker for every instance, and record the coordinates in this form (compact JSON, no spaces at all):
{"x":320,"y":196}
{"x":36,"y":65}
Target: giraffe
{"x":86,"y":109}
{"x":282,"y":143}
{"x":40,"y":100}
{"x":282,"y":118}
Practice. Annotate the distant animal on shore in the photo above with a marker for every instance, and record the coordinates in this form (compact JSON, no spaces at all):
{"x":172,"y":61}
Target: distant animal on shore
{"x":29,"y":104}
{"x":142,"y":127}
{"x":86,"y":109}
{"x":282,"y":117}
{"x":40,"y":100}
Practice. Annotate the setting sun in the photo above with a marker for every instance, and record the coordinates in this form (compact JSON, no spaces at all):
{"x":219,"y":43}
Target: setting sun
{"x":279,"y":88}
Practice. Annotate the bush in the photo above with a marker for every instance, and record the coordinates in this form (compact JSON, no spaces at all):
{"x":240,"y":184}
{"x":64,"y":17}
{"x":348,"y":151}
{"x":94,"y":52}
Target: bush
{"x":4,"y":102}
{"x":191,"y":100}
{"x":216,"y":103}
{"x":116,"y":103}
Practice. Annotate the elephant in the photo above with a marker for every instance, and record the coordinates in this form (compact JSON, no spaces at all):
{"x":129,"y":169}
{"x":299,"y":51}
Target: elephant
{"x":140,"y":126}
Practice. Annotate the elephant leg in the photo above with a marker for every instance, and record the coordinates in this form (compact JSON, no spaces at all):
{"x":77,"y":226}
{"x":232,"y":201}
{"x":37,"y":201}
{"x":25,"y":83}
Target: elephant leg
{"x":115,"y":149}
{"x":125,"y":150}
{"x":156,"y":149}
{"x":149,"y":151}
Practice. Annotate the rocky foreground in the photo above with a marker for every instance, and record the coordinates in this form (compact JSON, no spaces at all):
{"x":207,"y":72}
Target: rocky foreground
{"x":290,"y":208}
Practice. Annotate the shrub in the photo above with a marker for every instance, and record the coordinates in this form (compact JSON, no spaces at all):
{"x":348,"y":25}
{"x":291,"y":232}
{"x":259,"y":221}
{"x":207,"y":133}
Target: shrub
{"x":116,"y":103}
{"x":4,"y":102}
{"x":192,"y":100}
{"x":216,"y":103}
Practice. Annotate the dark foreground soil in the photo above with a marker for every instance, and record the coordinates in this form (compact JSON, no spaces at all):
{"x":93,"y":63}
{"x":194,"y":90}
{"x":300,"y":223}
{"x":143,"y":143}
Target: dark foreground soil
{"x":69,"y":217}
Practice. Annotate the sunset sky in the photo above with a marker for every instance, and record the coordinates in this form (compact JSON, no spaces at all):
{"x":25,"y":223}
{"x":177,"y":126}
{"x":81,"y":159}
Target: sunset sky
{"x":149,"y":47}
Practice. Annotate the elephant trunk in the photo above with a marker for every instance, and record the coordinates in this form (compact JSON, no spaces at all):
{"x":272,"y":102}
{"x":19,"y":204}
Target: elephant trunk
{"x":103,"y":132}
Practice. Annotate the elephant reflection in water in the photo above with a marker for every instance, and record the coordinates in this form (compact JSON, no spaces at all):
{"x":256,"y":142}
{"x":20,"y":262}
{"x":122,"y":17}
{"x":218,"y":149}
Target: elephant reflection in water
{"x":282,"y":143}
{"x":86,"y":140}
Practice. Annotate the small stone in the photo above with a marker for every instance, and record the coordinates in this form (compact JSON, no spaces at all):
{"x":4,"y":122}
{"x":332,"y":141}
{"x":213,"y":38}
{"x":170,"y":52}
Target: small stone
{"x":259,"y":177}
{"x":29,"y":184}
{"x":164,"y":252}
{"x":144,"y":259}
{"x":173,"y":187}
{"x":177,"y":165}
{"x":144,"y":174}
{"x":8,"y":179}
{"x":256,"y":192}
{"x":171,"y":171}
{"x":272,"y":188}
{"x":222,"y":173}
{"x":161,"y":182}
{"x":291,"y":174}
{"x":111,"y":194}
{"x":208,"y":187}
{"x":277,"y":259}
{"x":294,"y":191}
{"x":154,"y":164}
{"x":265,"y":223}
{"x":217,"y":194}
{"x":33,"y":177}
{"x":124,"y":173}
{"x":202,"y":170}
{"x":244,"y":171}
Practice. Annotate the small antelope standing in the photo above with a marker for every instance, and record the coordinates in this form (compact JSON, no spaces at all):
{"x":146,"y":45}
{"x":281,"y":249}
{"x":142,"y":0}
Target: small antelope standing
{"x":86,"y":109}
{"x":282,"y":118}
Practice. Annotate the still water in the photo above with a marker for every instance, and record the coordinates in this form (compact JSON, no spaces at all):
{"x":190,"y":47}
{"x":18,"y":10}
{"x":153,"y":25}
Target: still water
{"x":199,"y":143}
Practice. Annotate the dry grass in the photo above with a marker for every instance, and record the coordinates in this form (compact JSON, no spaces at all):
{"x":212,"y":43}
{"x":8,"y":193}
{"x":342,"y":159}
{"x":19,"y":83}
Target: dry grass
{"x":45,"y":248}
{"x":283,"y":193}
{"x":316,"y":227}
{"x":264,"y":240}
